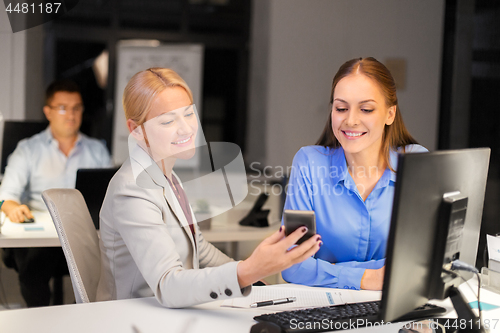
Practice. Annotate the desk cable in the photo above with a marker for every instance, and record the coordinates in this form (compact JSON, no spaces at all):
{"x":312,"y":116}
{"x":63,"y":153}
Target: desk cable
{"x":458,"y":265}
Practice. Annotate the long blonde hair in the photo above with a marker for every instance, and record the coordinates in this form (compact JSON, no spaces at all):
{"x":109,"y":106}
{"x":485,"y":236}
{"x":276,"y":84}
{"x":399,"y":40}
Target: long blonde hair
{"x":395,"y":135}
{"x":143,"y":88}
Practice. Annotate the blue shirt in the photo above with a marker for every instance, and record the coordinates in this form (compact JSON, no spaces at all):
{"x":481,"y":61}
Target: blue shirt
{"x":37,"y":164}
{"x":354,"y":232}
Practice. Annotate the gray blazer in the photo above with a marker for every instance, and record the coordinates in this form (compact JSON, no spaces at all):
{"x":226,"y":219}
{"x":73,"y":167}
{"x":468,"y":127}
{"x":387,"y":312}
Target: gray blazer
{"x":147,"y":247}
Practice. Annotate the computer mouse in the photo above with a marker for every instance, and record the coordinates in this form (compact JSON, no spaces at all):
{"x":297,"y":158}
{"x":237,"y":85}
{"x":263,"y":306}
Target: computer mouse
{"x":27,"y":220}
{"x":266,"y":327}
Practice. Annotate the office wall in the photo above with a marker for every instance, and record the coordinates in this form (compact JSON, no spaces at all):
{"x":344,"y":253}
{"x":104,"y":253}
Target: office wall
{"x":298,"y":45}
{"x":12,"y":70}
{"x":34,"y":74}
{"x":21,"y":73}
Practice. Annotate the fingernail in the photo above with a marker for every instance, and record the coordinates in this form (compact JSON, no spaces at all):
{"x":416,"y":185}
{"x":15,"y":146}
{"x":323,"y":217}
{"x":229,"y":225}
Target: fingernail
{"x":320,"y":243}
{"x":304,"y":229}
{"x":281,"y":228}
{"x":318,"y":238}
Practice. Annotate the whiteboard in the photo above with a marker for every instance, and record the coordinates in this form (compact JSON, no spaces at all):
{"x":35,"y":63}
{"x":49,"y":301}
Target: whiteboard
{"x":185,"y":59}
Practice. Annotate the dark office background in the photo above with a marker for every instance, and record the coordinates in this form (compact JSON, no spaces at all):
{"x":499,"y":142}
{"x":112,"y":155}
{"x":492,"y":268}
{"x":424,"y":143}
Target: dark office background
{"x":469,"y":92}
{"x":470,"y":68}
{"x":73,"y":41}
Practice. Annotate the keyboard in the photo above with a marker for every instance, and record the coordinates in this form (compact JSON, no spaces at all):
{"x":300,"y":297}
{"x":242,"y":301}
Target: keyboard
{"x":339,"y":317}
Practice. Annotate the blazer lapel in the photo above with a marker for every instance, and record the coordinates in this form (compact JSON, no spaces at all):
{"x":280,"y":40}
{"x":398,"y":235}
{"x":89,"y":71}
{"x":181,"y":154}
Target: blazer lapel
{"x":176,"y":209}
{"x":151,"y":168}
{"x":195,"y":240}
{"x":174,"y":205}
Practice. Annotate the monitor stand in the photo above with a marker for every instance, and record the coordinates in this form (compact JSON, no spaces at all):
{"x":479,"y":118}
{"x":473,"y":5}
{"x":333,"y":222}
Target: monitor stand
{"x":465,"y":313}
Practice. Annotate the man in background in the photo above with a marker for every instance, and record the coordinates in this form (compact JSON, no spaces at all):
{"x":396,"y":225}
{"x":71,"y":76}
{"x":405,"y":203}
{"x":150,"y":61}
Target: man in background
{"x":47,"y":160}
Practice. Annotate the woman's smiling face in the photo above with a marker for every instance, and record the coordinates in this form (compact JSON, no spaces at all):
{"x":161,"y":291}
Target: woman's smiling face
{"x":359,"y":114}
{"x":171,"y":125}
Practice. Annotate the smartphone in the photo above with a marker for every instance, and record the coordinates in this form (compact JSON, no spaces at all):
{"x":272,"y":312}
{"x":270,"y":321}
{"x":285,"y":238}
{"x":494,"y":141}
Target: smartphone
{"x":294,"y":219}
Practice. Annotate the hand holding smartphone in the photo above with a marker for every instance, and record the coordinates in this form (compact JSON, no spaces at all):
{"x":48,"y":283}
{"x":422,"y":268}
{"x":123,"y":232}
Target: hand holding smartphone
{"x":294,"y":219}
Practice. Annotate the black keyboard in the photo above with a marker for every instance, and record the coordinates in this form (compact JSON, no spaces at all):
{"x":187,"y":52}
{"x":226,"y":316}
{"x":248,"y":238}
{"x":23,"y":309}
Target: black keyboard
{"x":339,"y":317}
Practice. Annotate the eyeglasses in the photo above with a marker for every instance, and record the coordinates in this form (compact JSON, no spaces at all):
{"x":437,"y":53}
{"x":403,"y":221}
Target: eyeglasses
{"x":63,"y":109}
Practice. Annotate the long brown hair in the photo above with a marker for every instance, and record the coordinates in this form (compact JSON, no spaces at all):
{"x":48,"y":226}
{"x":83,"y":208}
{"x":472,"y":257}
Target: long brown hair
{"x":395,"y":135}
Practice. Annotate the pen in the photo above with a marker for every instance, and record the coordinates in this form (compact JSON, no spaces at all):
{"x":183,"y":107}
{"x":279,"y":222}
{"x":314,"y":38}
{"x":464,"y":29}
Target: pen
{"x":274,"y":302}
{"x":135,"y":329}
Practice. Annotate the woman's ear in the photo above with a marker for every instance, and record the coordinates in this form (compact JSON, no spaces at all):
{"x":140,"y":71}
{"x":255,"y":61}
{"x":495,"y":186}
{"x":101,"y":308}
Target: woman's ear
{"x":135,"y":130}
{"x":391,"y":115}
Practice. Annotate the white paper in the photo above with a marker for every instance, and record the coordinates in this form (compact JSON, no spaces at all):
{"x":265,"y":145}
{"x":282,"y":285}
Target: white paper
{"x":306,"y":297}
{"x":493,"y":247}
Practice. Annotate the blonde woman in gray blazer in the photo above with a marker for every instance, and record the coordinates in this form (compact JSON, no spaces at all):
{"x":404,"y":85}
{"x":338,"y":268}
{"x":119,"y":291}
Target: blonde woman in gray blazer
{"x":150,"y":242}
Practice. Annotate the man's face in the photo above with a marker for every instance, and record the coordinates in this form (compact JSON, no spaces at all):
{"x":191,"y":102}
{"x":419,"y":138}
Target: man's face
{"x":64,"y":113}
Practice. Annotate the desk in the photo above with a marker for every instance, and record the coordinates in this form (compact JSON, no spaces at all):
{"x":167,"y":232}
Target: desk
{"x":148,"y":316}
{"x":15,"y":235}
{"x":224,"y":228}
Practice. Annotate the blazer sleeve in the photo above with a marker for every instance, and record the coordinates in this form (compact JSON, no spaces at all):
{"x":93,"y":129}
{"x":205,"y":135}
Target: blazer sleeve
{"x":139,"y":220}
{"x":209,"y":255}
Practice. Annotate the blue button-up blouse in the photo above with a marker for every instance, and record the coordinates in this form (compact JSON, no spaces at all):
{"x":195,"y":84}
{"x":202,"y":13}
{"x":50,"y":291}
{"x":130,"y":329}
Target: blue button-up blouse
{"x":354,"y":232}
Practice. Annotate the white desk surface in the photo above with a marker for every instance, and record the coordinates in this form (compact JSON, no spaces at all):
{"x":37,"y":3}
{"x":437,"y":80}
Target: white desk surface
{"x":120,"y":316}
{"x":20,"y":235}
{"x":224,"y":228}
{"x":148,"y":316}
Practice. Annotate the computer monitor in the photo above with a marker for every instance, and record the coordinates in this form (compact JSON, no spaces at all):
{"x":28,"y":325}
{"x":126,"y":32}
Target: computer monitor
{"x":436,"y":218}
{"x":93,"y":184}
{"x":13,"y":132}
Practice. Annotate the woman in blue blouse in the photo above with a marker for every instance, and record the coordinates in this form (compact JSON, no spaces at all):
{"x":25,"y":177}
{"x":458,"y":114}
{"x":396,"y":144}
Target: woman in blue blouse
{"x":348,"y":178}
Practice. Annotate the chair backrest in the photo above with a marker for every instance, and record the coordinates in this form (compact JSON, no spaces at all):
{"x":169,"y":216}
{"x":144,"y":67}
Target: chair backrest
{"x":15,"y":131}
{"x":78,"y":238}
{"x":93,"y":184}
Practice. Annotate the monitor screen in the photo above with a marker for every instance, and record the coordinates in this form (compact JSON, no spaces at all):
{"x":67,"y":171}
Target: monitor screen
{"x":93,"y":184}
{"x":419,"y":242}
{"x":15,"y":131}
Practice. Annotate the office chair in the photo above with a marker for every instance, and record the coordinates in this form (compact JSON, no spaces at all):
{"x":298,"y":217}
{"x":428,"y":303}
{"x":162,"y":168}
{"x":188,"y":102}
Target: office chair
{"x":78,"y":238}
{"x":15,"y":131}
